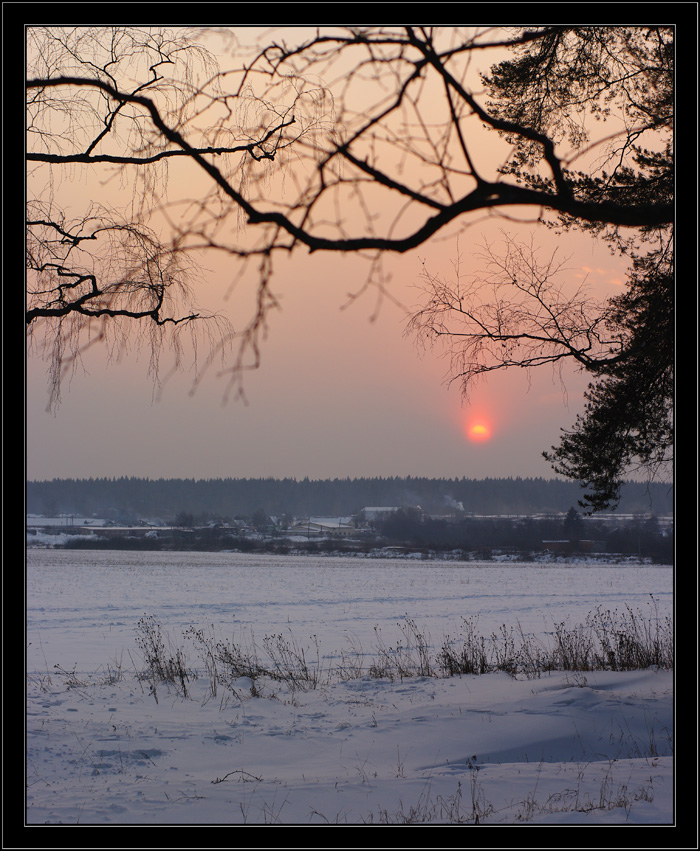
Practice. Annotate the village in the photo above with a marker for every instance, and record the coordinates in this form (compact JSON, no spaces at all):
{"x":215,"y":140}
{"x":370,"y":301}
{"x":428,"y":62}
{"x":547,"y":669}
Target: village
{"x":378,"y":530}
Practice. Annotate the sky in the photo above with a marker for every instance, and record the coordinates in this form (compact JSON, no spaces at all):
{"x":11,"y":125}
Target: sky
{"x":341,"y":391}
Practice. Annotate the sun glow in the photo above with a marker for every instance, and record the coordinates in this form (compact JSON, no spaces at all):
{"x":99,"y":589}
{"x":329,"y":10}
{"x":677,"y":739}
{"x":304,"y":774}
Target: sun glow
{"x":479,"y":431}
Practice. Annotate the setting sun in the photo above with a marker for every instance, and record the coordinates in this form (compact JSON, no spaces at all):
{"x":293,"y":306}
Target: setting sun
{"x":479,"y":431}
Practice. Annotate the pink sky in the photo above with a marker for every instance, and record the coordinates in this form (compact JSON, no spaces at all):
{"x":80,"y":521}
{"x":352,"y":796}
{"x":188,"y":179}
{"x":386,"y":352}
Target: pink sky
{"x":339,"y":393}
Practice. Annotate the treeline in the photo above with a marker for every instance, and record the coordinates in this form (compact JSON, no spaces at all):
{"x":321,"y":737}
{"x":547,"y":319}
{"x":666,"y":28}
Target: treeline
{"x":644,"y":537}
{"x":410,"y":531}
{"x":130,"y":498}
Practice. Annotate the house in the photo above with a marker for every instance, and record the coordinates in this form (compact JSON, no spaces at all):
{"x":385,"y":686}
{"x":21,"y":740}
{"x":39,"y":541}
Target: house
{"x":331,"y":527}
{"x":377,"y":512}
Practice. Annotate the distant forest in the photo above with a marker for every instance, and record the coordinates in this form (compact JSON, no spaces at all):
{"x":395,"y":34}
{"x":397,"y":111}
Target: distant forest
{"x":127,"y":498}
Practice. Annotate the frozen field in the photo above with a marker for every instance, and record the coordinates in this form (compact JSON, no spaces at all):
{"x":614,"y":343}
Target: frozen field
{"x":107,"y":745}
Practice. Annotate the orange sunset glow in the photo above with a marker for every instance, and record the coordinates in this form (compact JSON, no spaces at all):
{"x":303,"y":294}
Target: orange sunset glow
{"x":479,"y":431}
{"x":337,"y":388}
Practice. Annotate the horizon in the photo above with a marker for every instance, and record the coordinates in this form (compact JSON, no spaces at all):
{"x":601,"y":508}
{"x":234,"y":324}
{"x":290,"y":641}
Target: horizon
{"x":340,"y":391}
{"x":303,"y":479}
{"x":333,"y":497}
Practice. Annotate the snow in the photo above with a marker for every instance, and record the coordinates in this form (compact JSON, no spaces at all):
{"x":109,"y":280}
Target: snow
{"x":107,"y":746}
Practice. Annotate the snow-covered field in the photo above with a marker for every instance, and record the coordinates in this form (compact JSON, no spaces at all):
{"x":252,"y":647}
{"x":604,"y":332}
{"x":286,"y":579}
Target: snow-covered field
{"x":106,"y":745}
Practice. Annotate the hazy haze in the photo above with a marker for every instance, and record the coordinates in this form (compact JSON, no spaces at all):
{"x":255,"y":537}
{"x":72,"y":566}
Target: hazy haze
{"x":340,"y":392}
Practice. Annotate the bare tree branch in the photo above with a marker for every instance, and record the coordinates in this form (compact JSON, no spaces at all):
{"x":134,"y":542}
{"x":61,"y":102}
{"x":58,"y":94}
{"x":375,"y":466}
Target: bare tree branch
{"x":513,"y":312}
{"x":363,"y":140}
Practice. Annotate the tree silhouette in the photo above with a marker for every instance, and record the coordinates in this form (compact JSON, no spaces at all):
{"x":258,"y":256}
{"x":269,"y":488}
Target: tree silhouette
{"x":127,"y":103}
{"x":520,"y":310}
{"x":343,"y":139}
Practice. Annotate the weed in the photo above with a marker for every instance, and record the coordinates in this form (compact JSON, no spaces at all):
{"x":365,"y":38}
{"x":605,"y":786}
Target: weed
{"x":607,"y":640}
{"x":629,"y":641}
{"x":289,"y":663}
{"x":114,"y":671}
{"x":242,"y":776}
{"x":467,"y":656}
{"x":71,"y":680}
{"x":444,"y":809}
{"x":163,"y":665}
{"x":409,"y":657}
{"x":206,"y":645}
{"x":234,"y":663}
{"x":351,"y":665}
